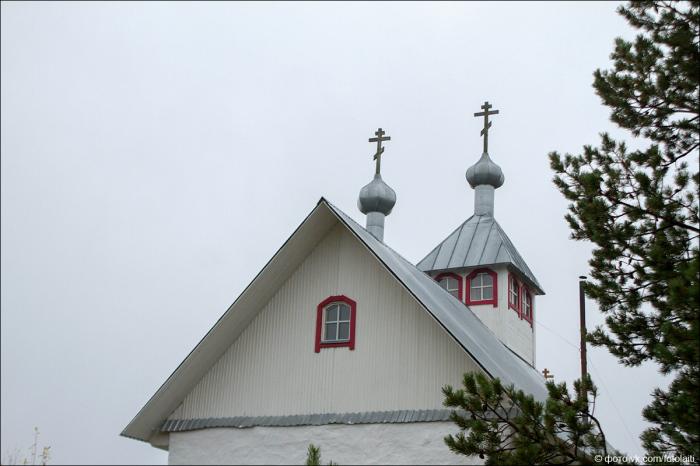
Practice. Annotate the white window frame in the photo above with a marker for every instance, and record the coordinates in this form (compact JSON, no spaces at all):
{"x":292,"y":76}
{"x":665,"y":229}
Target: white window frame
{"x":338,"y":321}
{"x":480,"y":286}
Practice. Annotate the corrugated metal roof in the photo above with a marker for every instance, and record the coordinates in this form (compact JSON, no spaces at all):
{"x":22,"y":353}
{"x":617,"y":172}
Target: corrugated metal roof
{"x":373,"y":417}
{"x":478,"y":241}
{"x":457,"y":319}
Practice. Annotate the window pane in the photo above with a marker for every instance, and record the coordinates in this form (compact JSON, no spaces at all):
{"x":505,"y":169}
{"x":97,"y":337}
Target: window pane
{"x":512,"y":291}
{"x":455,"y":293}
{"x":452,"y":284}
{"x":330,"y":334}
{"x":487,"y":293}
{"x":443,"y":283}
{"x":475,"y":294}
{"x":477,"y":279}
{"x":344,"y":312}
{"x":486,"y":279}
{"x":344,"y":331}
{"x":528,"y":305}
{"x":332,"y":313}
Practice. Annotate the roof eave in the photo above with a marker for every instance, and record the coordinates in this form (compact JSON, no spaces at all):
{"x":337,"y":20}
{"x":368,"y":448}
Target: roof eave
{"x":523,"y":276}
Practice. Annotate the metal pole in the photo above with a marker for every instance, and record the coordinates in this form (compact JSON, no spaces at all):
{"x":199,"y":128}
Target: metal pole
{"x":582,"y":310}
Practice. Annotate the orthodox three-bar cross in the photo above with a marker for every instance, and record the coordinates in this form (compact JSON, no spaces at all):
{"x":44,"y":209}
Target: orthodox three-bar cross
{"x":547,"y":375}
{"x":380,"y":150}
{"x":487,"y":123}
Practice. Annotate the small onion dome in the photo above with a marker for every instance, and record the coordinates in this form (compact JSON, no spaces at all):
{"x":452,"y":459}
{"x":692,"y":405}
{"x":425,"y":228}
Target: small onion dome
{"x":377,"y":196}
{"x":485,"y":171}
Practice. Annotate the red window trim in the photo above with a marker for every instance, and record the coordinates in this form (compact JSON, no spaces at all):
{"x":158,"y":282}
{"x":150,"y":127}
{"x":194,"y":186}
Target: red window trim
{"x":494,"y":276}
{"x":515,"y":306}
{"x":524,"y":293}
{"x":319,"y":322}
{"x":460,"y":290}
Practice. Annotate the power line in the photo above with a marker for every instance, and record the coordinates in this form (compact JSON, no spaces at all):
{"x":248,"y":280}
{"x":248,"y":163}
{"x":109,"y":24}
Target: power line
{"x":557,"y":335}
{"x":619,"y":414}
{"x":602,"y":381}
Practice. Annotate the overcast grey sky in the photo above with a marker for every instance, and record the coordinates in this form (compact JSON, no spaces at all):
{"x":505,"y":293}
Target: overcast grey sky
{"x":156,"y":155}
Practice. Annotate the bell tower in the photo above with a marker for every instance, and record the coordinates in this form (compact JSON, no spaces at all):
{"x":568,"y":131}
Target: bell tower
{"x":479,"y":265}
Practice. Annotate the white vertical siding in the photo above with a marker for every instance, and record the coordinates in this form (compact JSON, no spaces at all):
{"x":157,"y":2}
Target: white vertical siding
{"x":401,"y":360}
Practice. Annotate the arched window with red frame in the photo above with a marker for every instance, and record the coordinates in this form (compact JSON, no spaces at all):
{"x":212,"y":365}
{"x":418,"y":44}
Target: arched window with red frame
{"x":452,"y":283}
{"x":482,"y":287}
{"x":335,"y":323}
{"x":514,"y":293}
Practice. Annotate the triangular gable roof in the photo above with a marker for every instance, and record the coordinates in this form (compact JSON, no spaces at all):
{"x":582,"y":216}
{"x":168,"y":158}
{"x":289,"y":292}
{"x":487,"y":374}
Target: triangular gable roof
{"x":457,"y":319}
{"x":480,"y":240}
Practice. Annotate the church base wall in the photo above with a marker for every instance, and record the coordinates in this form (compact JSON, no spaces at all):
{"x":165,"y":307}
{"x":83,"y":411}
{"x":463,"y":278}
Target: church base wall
{"x":414,"y":443}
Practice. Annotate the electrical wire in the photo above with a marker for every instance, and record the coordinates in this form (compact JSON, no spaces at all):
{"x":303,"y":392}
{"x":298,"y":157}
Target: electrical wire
{"x":598,"y":375}
{"x":605,"y":388}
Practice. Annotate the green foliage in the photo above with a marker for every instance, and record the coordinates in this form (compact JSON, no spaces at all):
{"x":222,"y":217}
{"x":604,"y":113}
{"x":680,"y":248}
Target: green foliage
{"x":313,"y":457}
{"x":640,"y":209}
{"x":506,"y":426}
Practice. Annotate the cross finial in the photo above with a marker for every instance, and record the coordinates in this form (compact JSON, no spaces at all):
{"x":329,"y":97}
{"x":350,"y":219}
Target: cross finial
{"x":547,"y":375}
{"x":380,"y":150}
{"x":487,"y":123}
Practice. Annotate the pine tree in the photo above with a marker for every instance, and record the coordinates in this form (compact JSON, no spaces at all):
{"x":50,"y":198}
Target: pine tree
{"x":506,"y":426}
{"x":640,"y":209}
{"x":313,"y":456}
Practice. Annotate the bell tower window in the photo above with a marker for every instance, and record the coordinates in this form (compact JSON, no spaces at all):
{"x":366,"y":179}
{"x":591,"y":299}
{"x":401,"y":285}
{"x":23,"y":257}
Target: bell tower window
{"x":526,"y":307}
{"x":482,"y":287}
{"x":513,"y":293}
{"x":452,"y":283}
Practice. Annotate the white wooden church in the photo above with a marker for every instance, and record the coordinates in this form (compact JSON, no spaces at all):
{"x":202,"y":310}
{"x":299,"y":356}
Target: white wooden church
{"x":341,"y":342}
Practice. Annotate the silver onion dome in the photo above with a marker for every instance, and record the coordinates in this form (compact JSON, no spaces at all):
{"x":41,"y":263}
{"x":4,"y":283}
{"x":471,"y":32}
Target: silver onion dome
{"x":376,"y":196}
{"x":485,"y":172}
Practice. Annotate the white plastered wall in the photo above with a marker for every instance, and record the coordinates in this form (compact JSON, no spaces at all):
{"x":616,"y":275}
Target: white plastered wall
{"x":418,"y":443}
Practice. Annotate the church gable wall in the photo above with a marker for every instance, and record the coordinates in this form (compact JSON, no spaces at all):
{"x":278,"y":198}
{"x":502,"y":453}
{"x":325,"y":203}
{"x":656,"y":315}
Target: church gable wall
{"x":401,"y":358}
